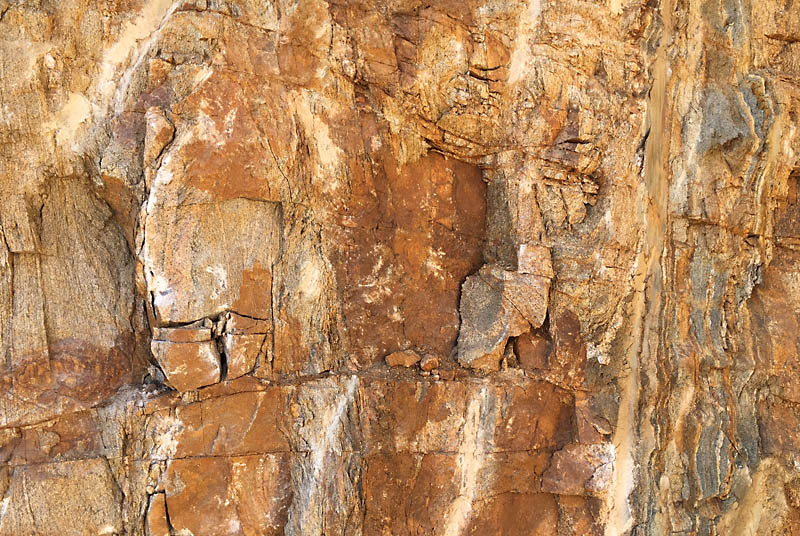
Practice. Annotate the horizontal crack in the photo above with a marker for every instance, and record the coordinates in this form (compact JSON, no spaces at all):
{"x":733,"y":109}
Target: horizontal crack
{"x":366,"y":453}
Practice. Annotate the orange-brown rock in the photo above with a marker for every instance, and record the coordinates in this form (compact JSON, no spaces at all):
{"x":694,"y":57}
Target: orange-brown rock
{"x":242,"y":351}
{"x":188,"y":365}
{"x":580,"y":469}
{"x":532,"y":349}
{"x":158,"y":522}
{"x":429,"y":363}
{"x":220,"y":221}
{"x":406,"y":358}
{"x":245,"y":340}
{"x":496,"y":305}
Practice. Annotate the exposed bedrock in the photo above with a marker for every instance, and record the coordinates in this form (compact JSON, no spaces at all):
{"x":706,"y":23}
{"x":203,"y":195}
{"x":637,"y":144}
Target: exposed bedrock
{"x":401,"y":267}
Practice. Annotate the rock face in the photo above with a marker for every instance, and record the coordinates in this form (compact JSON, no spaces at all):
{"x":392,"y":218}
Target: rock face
{"x":444,"y":268}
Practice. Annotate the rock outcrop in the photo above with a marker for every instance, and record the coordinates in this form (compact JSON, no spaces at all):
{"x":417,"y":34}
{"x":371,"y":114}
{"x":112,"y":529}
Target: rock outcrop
{"x":399,"y":267}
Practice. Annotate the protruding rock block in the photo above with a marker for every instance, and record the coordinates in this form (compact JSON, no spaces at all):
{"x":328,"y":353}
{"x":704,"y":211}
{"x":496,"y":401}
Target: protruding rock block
{"x":532,"y":349}
{"x":580,"y":469}
{"x":429,"y":363}
{"x":406,"y":358}
{"x":202,"y":258}
{"x":497,"y":304}
{"x":157,"y":518}
{"x":244,"y":341}
{"x":241,"y":352}
{"x":188,"y":365}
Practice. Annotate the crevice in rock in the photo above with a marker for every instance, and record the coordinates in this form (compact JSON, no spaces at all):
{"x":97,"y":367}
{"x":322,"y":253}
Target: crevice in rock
{"x":170,"y":527}
{"x":223,"y":358}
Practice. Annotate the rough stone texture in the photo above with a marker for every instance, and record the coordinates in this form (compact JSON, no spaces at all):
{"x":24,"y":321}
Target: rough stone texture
{"x":406,"y":358}
{"x":230,"y":230}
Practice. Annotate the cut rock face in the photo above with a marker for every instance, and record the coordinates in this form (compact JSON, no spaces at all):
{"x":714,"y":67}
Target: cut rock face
{"x":188,"y":365}
{"x":205,"y":258}
{"x":211,"y":229}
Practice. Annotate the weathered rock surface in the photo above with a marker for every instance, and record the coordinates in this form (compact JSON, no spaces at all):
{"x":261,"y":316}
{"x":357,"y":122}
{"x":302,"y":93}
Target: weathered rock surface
{"x":358,"y":267}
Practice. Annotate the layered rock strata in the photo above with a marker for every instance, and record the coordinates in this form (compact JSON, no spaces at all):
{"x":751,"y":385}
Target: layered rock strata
{"x":355,"y":267}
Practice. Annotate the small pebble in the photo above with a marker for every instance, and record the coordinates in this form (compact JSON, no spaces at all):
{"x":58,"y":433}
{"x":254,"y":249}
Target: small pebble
{"x":406,"y":358}
{"x":447,"y":374}
{"x":429,"y":362}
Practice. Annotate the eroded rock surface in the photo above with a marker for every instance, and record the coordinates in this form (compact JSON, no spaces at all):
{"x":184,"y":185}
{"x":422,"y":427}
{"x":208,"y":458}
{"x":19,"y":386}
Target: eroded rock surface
{"x":430,"y":268}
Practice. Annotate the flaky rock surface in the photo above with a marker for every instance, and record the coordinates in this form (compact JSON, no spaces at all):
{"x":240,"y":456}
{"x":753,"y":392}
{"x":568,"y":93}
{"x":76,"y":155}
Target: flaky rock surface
{"x":444,"y":268}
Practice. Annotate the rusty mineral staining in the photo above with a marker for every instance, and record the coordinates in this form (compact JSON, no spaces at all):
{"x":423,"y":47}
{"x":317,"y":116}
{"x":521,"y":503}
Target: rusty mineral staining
{"x":432,"y":268}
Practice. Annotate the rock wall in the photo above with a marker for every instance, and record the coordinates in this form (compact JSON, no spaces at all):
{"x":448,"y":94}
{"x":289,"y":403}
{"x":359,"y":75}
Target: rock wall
{"x":361,"y":267}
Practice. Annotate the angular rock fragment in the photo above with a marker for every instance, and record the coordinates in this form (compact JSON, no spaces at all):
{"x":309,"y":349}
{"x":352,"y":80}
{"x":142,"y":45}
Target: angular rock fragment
{"x":188,"y":365}
{"x":406,"y":358}
{"x":241,"y":352}
{"x":157,"y":520}
{"x":244,"y":341}
{"x":447,"y":374}
{"x":497,"y":304}
{"x":188,"y":354}
{"x":429,"y":363}
{"x":580,"y":469}
{"x":532,"y":350}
